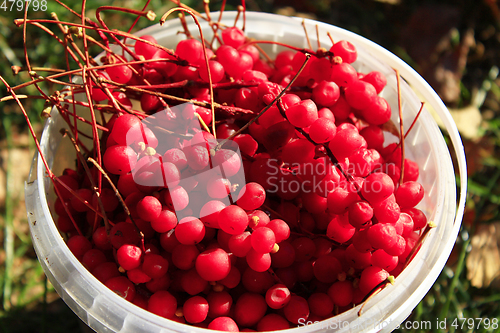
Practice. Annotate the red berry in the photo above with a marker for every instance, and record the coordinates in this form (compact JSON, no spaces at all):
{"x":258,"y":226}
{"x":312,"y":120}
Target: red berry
{"x":213,"y":265}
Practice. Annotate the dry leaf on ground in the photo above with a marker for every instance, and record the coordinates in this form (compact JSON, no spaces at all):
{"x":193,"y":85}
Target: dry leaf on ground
{"x":468,"y":121}
{"x":483,"y":261}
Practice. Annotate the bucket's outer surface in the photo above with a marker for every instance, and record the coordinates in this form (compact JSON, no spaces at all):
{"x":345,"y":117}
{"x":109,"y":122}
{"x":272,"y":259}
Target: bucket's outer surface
{"x":104,"y":311}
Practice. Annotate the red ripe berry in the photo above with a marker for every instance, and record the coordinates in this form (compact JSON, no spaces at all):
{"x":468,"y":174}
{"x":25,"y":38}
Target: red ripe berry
{"x":284,"y":58}
{"x":218,"y":188}
{"x":223,"y":324}
{"x":304,"y":248}
{"x":127,"y":129}
{"x":382,"y":259}
{"x":235,"y":63}
{"x":129,"y":256}
{"x":119,"y":160}
{"x":343,"y":75}
{"x":377,"y":79}
{"x":346,"y":142}
{"x":233,"y":36}
{"x":216,"y":71}
{"x":263,"y":240}
{"x":93,"y":258}
{"x":197,"y":157}
{"x":195,"y":309}
{"x":219,"y":304}
{"x":213,"y":264}
{"x":177,"y":157}
{"x":246,"y":144}
{"x":209,"y":213}
{"x":341,"y":292}
{"x":192,"y":283}
{"x":190,"y":231}
{"x":227,"y":162}
{"x":387,"y":210}
{"x":374,"y":137}
{"x":278,"y":296}
{"x":154,"y":265}
{"x":251,"y":196}
{"x":285,"y":257}
{"x":399,"y":248}
{"x":371,"y":277}
{"x":297,"y":309}
{"x":378,"y":112}
{"x":418,"y":217}
{"x":411,"y":171}
{"x":163,"y":67}
{"x":105,"y":271}
{"x":233,"y":220}
{"x":122,"y":286}
{"x":382,"y":235}
{"x":340,"y":230}
{"x":166,"y":220}
{"x":272,"y":322}
{"x":280,"y":228}
{"x":240,"y":244}
{"x":79,"y":245}
{"x":163,"y":304}
{"x":322,"y":130}
{"x":377,"y":187}
{"x":123,"y":233}
{"x":137,"y":276}
{"x":242,"y":313}
{"x":77,"y":204}
{"x":320,"y":304}
{"x":327,"y":268}
{"x":232,"y":280}
{"x":145,"y":49}
{"x":190,"y":50}
{"x":253,"y":52}
{"x":360,"y":94}
{"x":150,"y":102}
{"x":118,"y":72}
{"x":360,"y":213}
{"x":298,"y":151}
{"x":148,"y":208}
{"x":257,"y":218}
{"x":225,"y":130}
{"x":176,"y":199}
{"x":326,"y":93}
{"x":70,"y":182}
{"x":340,"y":199}
{"x":409,"y":194}
{"x":345,"y":50}
{"x":303,"y":114}
{"x":259,"y":262}
{"x":356,"y":258}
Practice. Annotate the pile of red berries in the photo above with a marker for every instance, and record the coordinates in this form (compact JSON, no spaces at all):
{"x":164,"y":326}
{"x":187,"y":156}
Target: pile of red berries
{"x":297,"y":217}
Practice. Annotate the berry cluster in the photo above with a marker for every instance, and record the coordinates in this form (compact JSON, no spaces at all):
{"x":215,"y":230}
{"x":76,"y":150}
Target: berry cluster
{"x":292,"y":208}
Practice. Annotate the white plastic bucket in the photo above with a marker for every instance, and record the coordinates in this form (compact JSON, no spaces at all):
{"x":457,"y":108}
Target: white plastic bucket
{"x":104,"y":311}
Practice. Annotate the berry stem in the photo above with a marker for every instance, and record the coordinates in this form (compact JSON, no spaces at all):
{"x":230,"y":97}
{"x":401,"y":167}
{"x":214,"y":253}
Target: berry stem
{"x":205,"y":55}
{"x":306,"y":34}
{"x":431,"y":225}
{"x":378,"y":288}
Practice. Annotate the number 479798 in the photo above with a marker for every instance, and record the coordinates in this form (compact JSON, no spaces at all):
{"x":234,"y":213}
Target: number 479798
{"x":18,"y":5}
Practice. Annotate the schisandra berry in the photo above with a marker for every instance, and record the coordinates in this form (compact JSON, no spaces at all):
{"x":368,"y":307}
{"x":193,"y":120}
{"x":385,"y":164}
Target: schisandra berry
{"x":278,"y":296}
{"x":213,"y":265}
